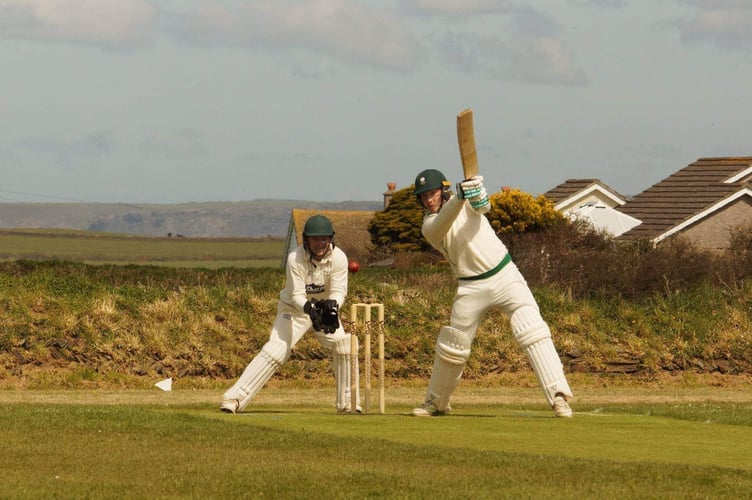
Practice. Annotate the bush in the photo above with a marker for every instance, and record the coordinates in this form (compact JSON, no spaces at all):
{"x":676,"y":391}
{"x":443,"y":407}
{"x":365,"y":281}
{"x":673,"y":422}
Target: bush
{"x":397,"y":228}
{"x":589,"y":263}
{"x":513,"y":211}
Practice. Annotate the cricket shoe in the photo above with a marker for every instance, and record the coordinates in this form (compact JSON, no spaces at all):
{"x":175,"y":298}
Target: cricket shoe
{"x":561,"y":407}
{"x":428,"y":409}
{"x":348,"y":409}
{"x":229,"y":406}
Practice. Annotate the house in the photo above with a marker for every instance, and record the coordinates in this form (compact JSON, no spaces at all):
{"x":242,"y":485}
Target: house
{"x":350,"y":231}
{"x":575,"y":193}
{"x":604,"y":218}
{"x":704,"y":202}
{"x":594,"y":202}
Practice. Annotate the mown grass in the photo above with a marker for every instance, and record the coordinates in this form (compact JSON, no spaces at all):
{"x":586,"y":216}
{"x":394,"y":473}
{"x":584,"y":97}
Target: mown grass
{"x":165,"y":448}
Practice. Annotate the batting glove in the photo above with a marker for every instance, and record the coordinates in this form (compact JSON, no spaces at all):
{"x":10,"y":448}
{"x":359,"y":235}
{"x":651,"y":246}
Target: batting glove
{"x":470,"y":188}
{"x":481,"y":204}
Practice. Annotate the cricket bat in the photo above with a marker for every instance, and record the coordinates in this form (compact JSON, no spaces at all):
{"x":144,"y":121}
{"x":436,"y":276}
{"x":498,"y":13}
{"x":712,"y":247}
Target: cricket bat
{"x":466,"y":141}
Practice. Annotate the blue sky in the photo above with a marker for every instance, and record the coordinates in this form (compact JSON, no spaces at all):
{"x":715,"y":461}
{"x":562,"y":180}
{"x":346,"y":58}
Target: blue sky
{"x":168,"y":101}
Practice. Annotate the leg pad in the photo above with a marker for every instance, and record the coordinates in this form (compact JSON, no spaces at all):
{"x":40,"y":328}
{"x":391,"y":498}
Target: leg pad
{"x":257,"y":373}
{"x":341,"y":357}
{"x":452,"y":353}
{"x":534,"y":337}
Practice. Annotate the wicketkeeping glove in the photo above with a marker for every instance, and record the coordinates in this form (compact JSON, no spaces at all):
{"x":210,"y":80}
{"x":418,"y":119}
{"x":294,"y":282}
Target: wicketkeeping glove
{"x":324,"y":314}
{"x":470,"y":188}
{"x":312,"y":309}
{"x":329,"y":315}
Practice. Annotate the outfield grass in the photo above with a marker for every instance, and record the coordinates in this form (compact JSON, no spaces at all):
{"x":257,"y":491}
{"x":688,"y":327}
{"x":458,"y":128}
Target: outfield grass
{"x":291,"y":444}
{"x":108,"y":248}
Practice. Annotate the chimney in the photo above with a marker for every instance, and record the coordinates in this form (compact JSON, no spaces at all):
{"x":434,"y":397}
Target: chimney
{"x":390,"y":186}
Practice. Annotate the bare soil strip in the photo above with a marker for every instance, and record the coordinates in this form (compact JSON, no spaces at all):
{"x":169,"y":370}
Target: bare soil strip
{"x":509,"y":389}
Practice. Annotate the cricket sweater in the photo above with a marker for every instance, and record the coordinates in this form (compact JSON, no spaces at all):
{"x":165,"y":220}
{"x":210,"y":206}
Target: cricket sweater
{"x":309,"y":279}
{"x":465,"y":238}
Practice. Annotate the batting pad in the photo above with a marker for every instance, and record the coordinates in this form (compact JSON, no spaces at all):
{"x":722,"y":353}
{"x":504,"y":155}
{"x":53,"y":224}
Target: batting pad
{"x":257,"y":373}
{"x":342,"y":376}
{"x":548,"y":368}
{"x":452,"y":353}
{"x":528,"y":326}
{"x":534,"y":337}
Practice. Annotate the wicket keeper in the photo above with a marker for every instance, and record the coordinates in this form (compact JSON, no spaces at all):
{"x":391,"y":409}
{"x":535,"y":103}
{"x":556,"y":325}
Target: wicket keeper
{"x":315,"y":289}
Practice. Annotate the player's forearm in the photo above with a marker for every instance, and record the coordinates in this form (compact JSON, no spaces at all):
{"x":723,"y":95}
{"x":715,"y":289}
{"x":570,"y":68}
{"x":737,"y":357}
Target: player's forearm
{"x":295,"y":287}
{"x":338,"y":279}
{"x":434,"y":228}
{"x":338,"y":290}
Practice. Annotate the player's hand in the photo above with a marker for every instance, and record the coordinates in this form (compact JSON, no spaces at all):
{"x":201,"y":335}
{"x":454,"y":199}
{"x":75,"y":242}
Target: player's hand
{"x":329,"y":315}
{"x":470,"y":188}
{"x":481,"y":203}
{"x":314,"y":310}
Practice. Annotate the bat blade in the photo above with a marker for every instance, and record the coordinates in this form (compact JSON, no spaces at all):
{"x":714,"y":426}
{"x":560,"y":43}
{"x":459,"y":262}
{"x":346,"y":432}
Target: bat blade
{"x":466,"y":141}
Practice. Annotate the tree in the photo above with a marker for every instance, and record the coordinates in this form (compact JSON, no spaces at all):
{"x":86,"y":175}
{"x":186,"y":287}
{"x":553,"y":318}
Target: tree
{"x":398,"y":227}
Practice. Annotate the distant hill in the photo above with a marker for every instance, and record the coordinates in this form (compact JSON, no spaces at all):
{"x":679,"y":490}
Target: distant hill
{"x":252,"y":219}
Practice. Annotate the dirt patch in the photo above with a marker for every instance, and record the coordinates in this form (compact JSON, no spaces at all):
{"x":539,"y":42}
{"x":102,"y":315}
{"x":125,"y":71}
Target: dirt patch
{"x":507,"y":389}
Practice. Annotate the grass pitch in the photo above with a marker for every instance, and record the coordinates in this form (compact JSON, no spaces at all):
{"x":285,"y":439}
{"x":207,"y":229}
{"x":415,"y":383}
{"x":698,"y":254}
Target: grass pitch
{"x":291,"y":444}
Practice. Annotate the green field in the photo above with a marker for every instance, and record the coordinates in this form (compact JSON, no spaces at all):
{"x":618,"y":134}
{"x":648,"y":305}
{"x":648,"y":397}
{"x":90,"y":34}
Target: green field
{"x":108,"y":248}
{"x":498,"y":443}
{"x":81,"y":347}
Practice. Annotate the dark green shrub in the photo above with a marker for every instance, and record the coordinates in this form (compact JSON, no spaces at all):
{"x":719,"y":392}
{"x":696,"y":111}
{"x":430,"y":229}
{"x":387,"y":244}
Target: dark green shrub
{"x":397,"y":229}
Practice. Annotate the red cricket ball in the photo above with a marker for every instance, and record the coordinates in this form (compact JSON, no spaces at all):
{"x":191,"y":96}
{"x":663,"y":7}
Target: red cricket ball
{"x":353,"y":266}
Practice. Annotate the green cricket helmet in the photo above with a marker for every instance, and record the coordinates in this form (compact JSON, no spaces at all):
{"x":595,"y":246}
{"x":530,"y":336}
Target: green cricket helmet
{"x":431,"y":179}
{"x":318,"y":225}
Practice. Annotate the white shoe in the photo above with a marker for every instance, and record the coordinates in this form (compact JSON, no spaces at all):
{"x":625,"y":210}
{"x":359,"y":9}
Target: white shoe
{"x":348,"y":409}
{"x":561,"y":407}
{"x":229,"y":406}
{"x":428,"y":409}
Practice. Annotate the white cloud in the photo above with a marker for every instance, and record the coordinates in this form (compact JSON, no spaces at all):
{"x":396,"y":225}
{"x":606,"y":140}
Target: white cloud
{"x":609,"y":4}
{"x":112,"y":23}
{"x":342,"y":29}
{"x":454,"y":7}
{"x":67,"y":148}
{"x":724,"y":23}
{"x":544,"y":60}
{"x":530,"y":52}
{"x":181,"y":144}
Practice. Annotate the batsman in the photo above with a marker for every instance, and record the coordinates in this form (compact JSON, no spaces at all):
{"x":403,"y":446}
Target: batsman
{"x":315,"y":289}
{"x":487,"y":278}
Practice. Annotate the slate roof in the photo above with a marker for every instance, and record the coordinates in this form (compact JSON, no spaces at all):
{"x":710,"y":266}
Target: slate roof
{"x":571,"y":187}
{"x":702,"y":186}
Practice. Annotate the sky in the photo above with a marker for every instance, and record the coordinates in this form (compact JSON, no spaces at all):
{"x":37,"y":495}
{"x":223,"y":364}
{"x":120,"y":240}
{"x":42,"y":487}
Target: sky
{"x":173,"y":101}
